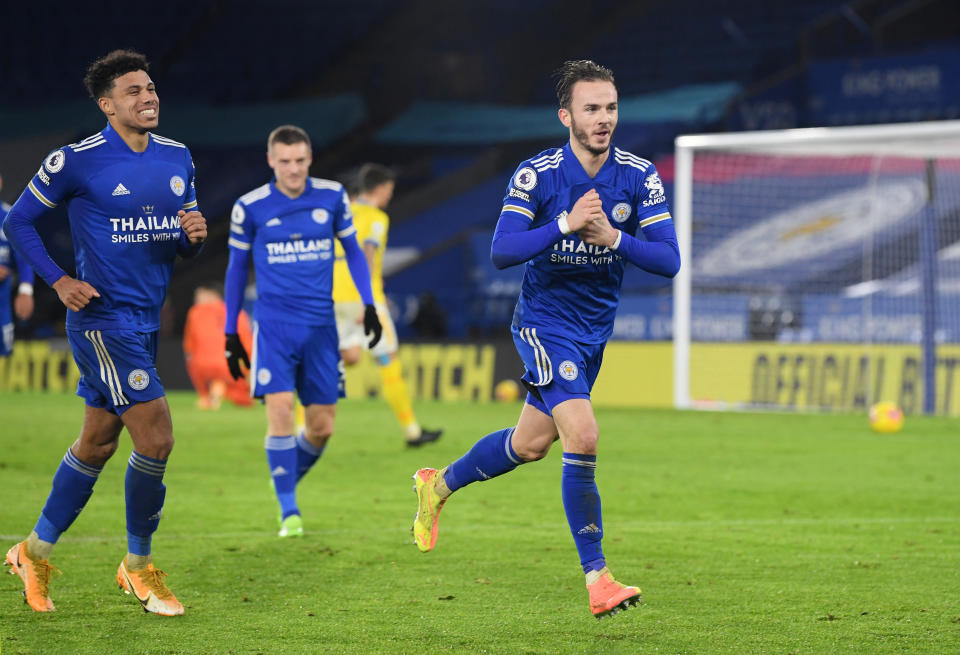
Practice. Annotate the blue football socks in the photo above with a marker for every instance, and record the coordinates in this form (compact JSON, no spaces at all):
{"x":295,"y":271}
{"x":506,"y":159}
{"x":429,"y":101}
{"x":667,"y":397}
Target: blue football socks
{"x":144,"y":491}
{"x":282,"y":459}
{"x":491,"y":456}
{"x":72,"y":487}
{"x":307,"y":455}
{"x":581,"y":502}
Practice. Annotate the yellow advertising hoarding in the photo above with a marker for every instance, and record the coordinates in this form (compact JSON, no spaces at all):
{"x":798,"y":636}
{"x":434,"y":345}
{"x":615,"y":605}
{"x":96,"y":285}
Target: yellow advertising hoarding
{"x":845,"y":377}
{"x":39,"y":366}
{"x":818,"y":377}
{"x":823,"y":377}
{"x":451,"y":371}
{"x":635,"y":374}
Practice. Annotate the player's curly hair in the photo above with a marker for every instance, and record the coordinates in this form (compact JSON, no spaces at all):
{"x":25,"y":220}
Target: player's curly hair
{"x":577,"y":70}
{"x":104,"y":71}
{"x":288,"y":135}
{"x":370,"y":176}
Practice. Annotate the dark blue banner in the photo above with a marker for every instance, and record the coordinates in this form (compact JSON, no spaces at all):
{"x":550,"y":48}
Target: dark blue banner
{"x":885,"y":89}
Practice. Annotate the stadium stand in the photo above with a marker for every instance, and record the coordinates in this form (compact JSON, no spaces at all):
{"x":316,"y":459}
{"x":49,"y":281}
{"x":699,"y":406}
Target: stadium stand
{"x":368,"y":90}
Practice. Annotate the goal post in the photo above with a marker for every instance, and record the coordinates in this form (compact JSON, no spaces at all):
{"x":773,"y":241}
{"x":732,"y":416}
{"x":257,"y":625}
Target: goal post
{"x":821,"y":268}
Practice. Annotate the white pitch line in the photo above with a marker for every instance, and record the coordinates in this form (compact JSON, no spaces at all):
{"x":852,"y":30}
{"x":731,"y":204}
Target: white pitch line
{"x":713,"y":523}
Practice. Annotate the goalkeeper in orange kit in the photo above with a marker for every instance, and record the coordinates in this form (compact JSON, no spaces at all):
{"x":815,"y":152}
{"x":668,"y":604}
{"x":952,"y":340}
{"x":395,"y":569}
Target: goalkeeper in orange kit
{"x":203,"y":346}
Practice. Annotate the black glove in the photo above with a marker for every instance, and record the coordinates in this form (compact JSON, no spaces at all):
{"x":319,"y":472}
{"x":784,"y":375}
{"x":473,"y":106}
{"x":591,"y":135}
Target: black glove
{"x":236,"y":354}
{"x":371,"y":325}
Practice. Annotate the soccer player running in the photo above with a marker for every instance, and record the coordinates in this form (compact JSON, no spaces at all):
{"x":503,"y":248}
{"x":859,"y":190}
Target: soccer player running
{"x":371,"y":195}
{"x":132,"y":209}
{"x":288,"y":225}
{"x":571,"y":214}
{"x":11,"y":261}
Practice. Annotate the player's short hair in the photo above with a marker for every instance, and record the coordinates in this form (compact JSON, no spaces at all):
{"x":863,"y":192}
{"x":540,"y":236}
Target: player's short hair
{"x":370,"y":176}
{"x":288,"y":135}
{"x":212,"y":285}
{"x":578,"y":70}
{"x":104,"y":71}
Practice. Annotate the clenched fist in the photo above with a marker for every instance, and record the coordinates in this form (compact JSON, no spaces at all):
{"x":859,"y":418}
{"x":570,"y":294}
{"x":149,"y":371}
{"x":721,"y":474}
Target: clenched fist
{"x":194,"y":225}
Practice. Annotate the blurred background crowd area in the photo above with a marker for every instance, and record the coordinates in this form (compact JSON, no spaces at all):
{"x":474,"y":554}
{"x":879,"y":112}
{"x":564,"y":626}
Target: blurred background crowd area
{"x":453,"y":96}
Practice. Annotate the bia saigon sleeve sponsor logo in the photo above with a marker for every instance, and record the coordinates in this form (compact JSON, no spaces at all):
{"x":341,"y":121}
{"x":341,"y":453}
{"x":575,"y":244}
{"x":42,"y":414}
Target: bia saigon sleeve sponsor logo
{"x":654,"y":185}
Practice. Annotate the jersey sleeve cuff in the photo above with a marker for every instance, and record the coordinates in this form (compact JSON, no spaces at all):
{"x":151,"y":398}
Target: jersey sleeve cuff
{"x":39,"y":196}
{"x":523,"y":211}
{"x":616,"y":244}
{"x":647,"y":222}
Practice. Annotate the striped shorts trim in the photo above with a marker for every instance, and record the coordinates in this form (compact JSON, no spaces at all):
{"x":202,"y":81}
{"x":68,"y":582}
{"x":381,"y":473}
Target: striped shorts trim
{"x":108,"y":371}
{"x":544,"y":367}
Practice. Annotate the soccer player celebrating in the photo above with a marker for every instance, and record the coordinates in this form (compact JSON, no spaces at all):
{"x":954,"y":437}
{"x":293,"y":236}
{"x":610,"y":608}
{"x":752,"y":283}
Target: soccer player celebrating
{"x":571,"y":214}
{"x":374,"y":189}
{"x":132,"y":210}
{"x":289,"y":225}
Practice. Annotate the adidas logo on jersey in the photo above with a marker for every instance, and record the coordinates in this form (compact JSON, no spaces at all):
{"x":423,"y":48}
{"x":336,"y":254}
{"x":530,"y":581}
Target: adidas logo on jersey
{"x":121,"y":190}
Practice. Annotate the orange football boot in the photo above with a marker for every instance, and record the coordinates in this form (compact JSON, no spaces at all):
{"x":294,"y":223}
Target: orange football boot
{"x":609,"y":597}
{"x":148,"y":586}
{"x":35,"y":574}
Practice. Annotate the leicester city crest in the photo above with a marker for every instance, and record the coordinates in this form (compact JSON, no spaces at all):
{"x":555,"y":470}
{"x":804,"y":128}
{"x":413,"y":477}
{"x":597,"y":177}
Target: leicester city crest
{"x":320,"y":216}
{"x":568,"y":370}
{"x":177,"y":185}
{"x":264,"y":376}
{"x":138,"y":379}
{"x":621,"y":212}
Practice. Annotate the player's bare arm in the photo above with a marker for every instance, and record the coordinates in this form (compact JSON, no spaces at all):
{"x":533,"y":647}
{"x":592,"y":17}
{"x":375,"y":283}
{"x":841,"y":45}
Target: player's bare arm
{"x":194,"y":225}
{"x":4,"y":273}
{"x":75,"y":294}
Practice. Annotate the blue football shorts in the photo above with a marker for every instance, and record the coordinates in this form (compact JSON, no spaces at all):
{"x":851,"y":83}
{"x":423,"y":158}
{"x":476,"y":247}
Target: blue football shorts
{"x":117,"y":367}
{"x":558,"y":369}
{"x":301,"y":358}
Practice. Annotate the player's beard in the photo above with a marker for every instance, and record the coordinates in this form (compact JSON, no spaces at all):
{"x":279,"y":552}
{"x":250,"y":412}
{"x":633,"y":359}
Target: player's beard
{"x":584,"y":139}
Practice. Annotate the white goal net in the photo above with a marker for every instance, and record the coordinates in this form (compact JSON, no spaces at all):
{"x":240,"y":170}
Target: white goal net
{"x":821,"y":268}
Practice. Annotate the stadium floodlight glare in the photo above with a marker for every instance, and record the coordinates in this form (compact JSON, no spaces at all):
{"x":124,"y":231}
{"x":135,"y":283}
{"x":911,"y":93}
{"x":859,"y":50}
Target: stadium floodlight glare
{"x":834,"y":235}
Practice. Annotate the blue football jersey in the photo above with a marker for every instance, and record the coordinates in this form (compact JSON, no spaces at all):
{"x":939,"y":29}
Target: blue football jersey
{"x":122,"y":208}
{"x":6,"y":259}
{"x":572,"y":289}
{"x":291,"y":240}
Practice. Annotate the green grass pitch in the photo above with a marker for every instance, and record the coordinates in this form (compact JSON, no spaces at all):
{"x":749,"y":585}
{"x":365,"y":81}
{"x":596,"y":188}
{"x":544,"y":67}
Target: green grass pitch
{"x":748,"y":533}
